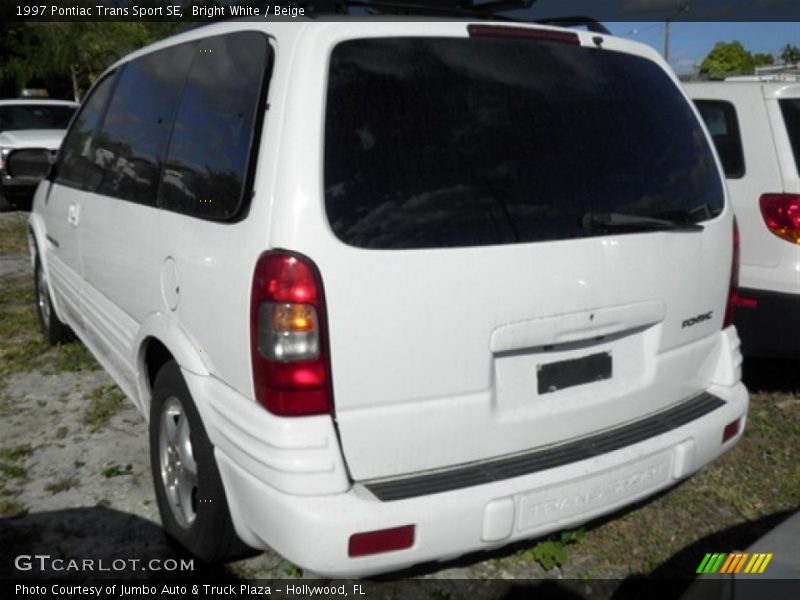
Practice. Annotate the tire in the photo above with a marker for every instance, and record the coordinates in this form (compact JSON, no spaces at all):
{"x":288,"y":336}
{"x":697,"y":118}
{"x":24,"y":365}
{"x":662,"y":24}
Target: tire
{"x":189,"y":491}
{"x":53,"y":329}
{"x":5,"y":205}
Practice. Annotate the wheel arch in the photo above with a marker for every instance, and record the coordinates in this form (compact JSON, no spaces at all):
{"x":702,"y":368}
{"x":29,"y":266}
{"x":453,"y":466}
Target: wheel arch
{"x":161,"y":339}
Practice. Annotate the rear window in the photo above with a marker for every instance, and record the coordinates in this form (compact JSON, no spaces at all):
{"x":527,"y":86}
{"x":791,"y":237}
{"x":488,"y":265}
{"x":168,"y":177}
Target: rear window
{"x":34,"y":116}
{"x":720,"y":118}
{"x":791,"y":116}
{"x":466,"y":142}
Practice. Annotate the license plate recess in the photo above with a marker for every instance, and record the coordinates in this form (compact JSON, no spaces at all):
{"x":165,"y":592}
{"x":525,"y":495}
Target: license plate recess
{"x":564,"y":374}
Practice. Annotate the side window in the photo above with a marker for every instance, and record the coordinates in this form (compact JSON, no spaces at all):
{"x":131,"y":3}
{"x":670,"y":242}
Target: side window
{"x":720,"y":118}
{"x":129,"y":149}
{"x":207,"y":163}
{"x":75,"y":149}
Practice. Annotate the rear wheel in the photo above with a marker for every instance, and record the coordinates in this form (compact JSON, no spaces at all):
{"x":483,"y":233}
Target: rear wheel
{"x":191,"y":497}
{"x":53,"y":329}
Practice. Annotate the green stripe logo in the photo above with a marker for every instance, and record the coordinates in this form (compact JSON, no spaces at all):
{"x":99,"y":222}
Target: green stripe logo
{"x":711,"y":563}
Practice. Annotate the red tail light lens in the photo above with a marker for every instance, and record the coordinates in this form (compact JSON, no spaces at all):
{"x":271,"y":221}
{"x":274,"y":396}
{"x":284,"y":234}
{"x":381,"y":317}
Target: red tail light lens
{"x":288,"y":336}
{"x":733,"y":288}
{"x":781,"y":213}
{"x":383,"y":540}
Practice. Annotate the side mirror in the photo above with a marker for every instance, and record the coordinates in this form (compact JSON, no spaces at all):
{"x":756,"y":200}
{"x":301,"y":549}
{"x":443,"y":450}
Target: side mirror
{"x":29,"y":163}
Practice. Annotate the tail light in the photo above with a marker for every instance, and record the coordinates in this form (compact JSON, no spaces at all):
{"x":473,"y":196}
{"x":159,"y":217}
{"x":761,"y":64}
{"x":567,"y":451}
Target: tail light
{"x":781,"y":213}
{"x":288,"y":336}
{"x":733,"y":288}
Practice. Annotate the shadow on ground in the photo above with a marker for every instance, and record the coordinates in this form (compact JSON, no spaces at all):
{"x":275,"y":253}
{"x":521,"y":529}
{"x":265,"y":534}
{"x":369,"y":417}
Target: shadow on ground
{"x":98,"y":534}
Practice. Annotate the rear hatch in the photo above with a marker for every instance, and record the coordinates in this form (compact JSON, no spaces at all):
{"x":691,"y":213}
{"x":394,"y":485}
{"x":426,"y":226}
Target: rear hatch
{"x":491,"y":286}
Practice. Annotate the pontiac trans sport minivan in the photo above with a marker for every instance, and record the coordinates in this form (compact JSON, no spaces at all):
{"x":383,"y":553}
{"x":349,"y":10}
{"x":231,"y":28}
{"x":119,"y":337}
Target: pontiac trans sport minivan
{"x":390,"y":292}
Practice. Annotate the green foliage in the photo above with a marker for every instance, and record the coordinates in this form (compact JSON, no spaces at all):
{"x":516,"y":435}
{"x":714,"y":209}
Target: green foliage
{"x":727,"y":59}
{"x":763,"y":58}
{"x":62,"y":485}
{"x":79,"y":51}
{"x":117,"y":471}
{"x":790,"y":54}
{"x":104,"y":402}
{"x":552,"y":552}
{"x":75,"y":357}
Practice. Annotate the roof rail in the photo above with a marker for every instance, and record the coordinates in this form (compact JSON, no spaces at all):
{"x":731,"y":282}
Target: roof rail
{"x":461,"y":8}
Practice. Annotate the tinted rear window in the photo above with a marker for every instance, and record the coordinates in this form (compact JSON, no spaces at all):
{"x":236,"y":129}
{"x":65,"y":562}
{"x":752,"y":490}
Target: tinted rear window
{"x":791,"y":116}
{"x":720,"y":118}
{"x":463,"y":142}
{"x":34,"y":116}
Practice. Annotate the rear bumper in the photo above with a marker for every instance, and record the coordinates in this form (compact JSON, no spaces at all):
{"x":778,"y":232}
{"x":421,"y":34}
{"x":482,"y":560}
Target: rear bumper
{"x":772,"y":328}
{"x":288,"y":489}
{"x":313,"y":531}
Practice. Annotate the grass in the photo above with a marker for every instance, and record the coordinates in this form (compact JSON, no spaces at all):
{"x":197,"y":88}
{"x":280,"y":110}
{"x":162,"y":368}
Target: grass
{"x":117,"y":471}
{"x":9,"y":463}
{"x":553,"y":551}
{"x":14,"y":234}
{"x":730,"y":503}
{"x":11,"y":508}
{"x":75,"y":357}
{"x":62,"y":485}
{"x":104,"y":403}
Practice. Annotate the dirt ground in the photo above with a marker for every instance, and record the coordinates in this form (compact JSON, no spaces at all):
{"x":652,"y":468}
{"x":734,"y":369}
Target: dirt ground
{"x":75,"y":478}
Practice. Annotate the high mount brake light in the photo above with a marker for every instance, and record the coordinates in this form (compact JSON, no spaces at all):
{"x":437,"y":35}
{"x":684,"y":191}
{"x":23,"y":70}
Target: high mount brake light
{"x":503,"y":31}
{"x":288,"y":336}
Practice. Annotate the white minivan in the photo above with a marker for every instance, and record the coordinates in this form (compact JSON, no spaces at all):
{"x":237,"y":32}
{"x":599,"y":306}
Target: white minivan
{"x":390,"y":292}
{"x":755,"y":124}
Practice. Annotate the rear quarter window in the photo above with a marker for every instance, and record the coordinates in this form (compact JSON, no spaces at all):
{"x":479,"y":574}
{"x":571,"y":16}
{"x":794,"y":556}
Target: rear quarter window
{"x":216,"y":125}
{"x":445,"y":142}
{"x":129,"y":148}
{"x":723,"y":125}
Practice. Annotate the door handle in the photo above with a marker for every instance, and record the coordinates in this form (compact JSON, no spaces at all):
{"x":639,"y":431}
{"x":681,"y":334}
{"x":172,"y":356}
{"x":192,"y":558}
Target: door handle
{"x":73,"y":213}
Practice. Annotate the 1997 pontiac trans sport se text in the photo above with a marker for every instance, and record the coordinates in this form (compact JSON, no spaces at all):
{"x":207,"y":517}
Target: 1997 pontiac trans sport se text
{"x":181,"y":590}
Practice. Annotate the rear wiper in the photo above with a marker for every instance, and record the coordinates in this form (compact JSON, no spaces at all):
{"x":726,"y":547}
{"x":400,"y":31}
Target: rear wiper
{"x":593,"y":221}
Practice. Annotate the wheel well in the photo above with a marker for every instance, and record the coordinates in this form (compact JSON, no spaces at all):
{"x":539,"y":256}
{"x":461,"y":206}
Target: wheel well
{"x":156,"y":356}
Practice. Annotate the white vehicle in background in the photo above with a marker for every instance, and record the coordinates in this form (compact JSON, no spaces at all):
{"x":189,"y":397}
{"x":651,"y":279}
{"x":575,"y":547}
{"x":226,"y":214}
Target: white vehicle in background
{"x":755,"y":125}
{"x":27,"y":123}
{"x":390,"y":292}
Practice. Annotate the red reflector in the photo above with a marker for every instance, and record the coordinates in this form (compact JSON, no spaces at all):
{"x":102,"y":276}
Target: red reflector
{"x":731,"y":429}
{"x":383,"y":540}
{"x":546,"y":35}
{"x":781,"y":213}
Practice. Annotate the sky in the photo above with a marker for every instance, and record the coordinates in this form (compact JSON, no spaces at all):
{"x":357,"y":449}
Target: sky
{"x":696,"y":25}
{"x":691,"y":42}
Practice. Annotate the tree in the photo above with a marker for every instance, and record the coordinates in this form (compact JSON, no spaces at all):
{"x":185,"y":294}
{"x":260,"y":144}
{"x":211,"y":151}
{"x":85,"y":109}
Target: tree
{"x":727,"y":59}
{"x":79,"y":50}
{"x":790,"y":54}
{"x":763,"y":59}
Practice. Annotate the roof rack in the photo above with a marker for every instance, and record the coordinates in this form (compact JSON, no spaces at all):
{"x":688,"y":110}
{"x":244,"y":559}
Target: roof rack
{"x":461,"y":8}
